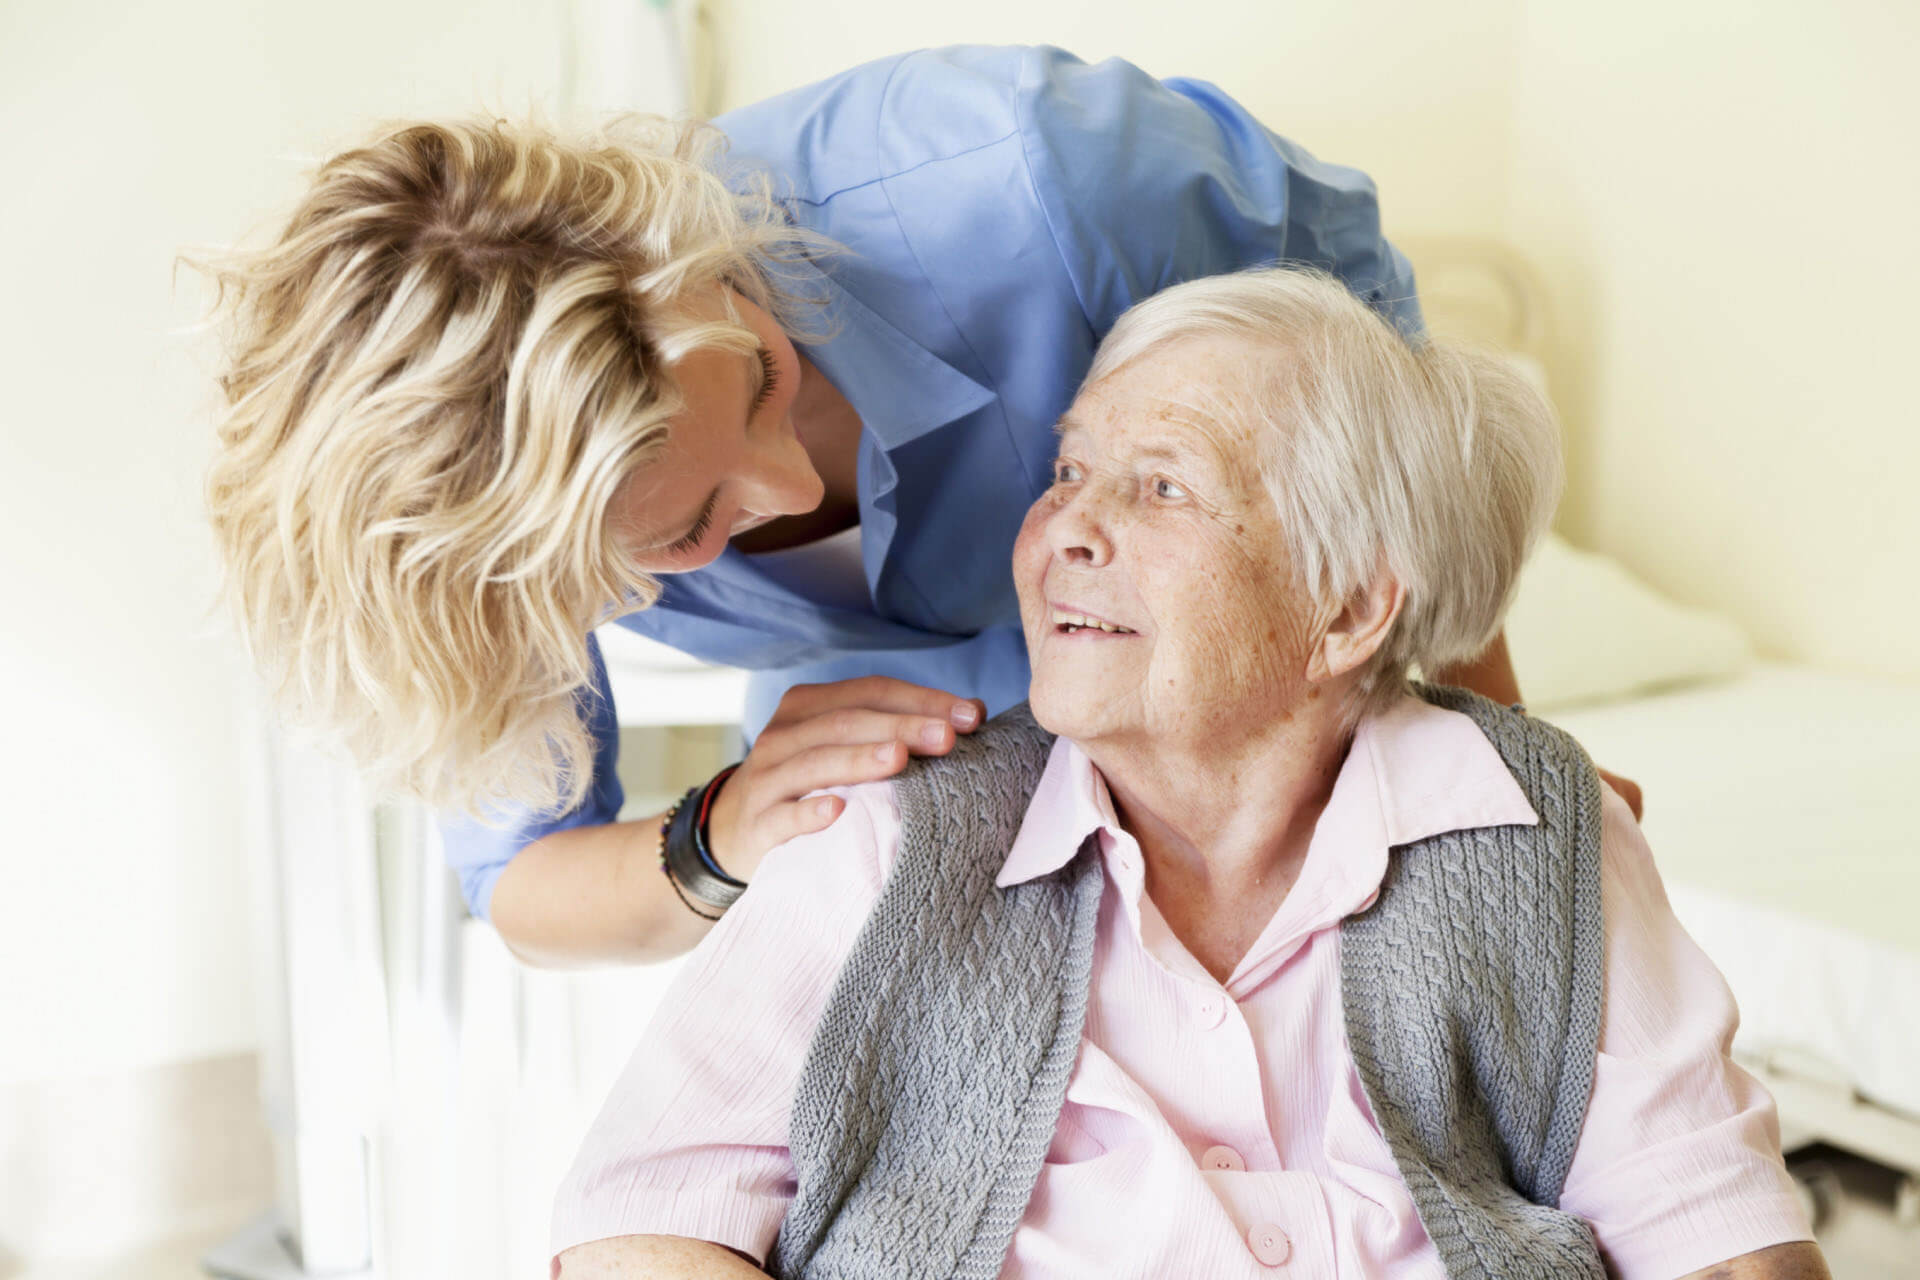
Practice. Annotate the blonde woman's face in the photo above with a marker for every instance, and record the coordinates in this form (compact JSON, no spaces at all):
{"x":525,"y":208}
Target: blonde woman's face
{"x":732,"y":460}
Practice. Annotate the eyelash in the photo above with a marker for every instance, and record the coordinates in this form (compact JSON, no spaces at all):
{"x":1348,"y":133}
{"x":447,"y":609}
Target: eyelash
{"x":769,"y":383}
{"x":769,"y":379}
{"x":699,"y":531}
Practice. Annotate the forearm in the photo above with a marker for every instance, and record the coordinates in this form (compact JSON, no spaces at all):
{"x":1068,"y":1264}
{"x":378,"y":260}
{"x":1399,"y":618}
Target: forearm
{"x":655,"y":1258}
{"x":1798,"y":1261}
{"x":596,"y":895}
{"x":593,"y":895}
{"x":1490,"y":674}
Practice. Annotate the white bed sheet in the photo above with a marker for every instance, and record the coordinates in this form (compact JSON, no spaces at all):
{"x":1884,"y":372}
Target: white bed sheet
{"x":1783,"y":809}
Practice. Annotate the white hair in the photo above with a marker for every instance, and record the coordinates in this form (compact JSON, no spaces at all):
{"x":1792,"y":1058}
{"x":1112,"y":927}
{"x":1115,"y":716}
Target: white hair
{"x":1439,"y":462}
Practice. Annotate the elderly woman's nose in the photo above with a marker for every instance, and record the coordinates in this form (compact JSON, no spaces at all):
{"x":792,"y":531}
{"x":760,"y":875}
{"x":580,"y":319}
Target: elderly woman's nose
{"x":1078,"y":529}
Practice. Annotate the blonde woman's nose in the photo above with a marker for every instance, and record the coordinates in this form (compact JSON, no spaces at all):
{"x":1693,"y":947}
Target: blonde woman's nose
{"x":782,"y":481}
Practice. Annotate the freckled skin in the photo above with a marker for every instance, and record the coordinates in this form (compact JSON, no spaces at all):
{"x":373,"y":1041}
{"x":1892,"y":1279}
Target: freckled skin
{"x":1206,"y":725}
{"x":1204,"y":577}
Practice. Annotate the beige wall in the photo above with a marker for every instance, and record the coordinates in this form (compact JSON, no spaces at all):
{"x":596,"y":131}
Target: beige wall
{"x":1416,"y":94}
{"x":128,"y":132}
{"x":1725,"y":196}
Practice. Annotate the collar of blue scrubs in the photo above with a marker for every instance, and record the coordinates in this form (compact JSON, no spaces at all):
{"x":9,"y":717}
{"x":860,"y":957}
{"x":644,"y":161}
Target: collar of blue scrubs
{"x":900,"y":389}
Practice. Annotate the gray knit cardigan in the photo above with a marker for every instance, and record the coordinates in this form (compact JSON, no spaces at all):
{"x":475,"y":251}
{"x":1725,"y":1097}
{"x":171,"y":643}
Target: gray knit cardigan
{"x":934,"y":1081}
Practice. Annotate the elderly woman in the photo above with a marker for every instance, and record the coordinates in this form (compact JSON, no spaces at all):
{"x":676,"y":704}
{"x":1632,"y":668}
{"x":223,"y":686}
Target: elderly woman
{"x":1270,"y":959}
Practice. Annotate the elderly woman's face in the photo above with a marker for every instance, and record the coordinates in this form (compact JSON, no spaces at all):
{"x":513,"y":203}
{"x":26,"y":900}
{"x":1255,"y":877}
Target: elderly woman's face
{"x":1155,"y":588}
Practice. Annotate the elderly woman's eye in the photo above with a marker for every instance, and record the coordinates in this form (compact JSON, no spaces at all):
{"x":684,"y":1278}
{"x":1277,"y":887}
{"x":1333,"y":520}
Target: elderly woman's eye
{"x":1165,"y":488}
{"x":1065,"y":473}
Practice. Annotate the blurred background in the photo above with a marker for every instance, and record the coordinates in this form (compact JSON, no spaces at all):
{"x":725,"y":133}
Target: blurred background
{"x":1699,"y":219}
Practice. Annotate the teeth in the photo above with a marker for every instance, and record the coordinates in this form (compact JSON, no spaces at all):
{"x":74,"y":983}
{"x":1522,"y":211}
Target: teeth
{"x":1061,"y":619}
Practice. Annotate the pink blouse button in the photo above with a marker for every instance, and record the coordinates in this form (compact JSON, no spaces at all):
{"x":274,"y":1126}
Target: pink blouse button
{"x":1223,"y":1159}
{"x":1211,"y":1009}
{"x":1270,"y":1245}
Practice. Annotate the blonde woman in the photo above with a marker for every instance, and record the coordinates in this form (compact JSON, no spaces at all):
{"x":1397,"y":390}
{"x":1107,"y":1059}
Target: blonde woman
{"x":775,"y":391}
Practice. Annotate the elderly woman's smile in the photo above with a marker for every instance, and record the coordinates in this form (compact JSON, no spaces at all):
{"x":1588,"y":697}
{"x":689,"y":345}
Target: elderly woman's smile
{"x":1155,"y":585}
{"x":1069,"y":621}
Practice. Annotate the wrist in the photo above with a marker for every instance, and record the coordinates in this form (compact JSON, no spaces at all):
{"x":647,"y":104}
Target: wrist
{"x":697,"y":878}
{"x":702,"y":824}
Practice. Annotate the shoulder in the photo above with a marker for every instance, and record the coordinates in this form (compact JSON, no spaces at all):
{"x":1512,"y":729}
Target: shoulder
{"x":884,"y":118}
{"x":805,"y":906}
{"x":840,"y":868}
{"x":1082,"y":115}
{"x":1004,"y":759}
{"x":972,"y":95}
{"x":1546,"y":760}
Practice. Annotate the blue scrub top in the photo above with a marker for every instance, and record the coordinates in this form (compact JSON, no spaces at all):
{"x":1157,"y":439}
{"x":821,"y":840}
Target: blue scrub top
{"x":1001,"y":208}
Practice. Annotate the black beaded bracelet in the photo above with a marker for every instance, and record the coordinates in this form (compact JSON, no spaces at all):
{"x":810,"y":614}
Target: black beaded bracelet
{"x":689,"y":866}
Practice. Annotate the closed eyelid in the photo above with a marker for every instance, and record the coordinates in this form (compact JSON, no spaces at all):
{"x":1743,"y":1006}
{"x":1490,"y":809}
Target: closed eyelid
{"x":763,"y":374}
{"x":698,"y":528}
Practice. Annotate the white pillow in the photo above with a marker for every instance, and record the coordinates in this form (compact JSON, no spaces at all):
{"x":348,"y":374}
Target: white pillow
{"x":1583,"y":629}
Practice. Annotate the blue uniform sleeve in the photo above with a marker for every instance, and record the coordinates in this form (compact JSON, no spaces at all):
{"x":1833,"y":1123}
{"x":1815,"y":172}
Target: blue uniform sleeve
{"x":479,"y":851}
{"x":1148,"y":183}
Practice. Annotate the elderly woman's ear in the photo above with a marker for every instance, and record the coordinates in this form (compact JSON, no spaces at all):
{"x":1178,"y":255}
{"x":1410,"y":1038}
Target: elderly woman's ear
{"x":1359,"y":629}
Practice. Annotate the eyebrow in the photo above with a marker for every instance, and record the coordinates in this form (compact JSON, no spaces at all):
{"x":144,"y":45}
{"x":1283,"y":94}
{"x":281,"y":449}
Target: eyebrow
{"x":1165,"y":447}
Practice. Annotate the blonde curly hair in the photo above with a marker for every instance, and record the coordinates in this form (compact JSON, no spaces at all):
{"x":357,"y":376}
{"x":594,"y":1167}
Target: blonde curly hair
{"x":434,"y":380}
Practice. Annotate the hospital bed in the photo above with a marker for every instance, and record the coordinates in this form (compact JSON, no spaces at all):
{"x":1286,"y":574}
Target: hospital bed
{"x":1780,"y":807}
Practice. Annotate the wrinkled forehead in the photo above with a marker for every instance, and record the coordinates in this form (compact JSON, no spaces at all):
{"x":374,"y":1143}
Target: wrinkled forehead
{"x":1214,"y":397}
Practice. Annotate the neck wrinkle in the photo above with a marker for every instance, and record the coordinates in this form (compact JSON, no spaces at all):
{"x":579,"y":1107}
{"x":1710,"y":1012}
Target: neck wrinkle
{"x":1223,"y":837}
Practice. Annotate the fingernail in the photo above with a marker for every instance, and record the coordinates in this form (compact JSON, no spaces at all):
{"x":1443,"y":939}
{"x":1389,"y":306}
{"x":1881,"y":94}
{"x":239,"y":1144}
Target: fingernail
{"x":933,"y":734}
{"x":884,"y":753}
{"x":965,"y":715}
{"x":824,"y":808}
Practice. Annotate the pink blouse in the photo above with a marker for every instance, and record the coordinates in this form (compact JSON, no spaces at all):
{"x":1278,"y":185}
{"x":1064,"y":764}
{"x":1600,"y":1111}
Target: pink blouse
{"x":1209,"y":1129}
